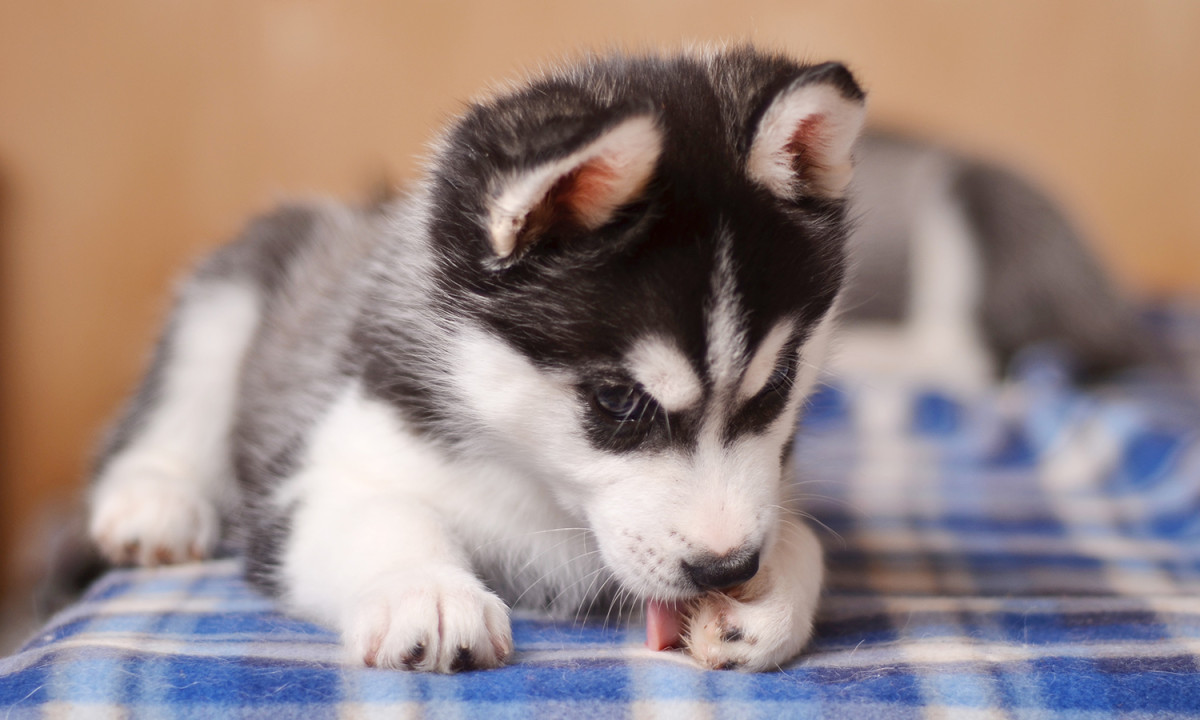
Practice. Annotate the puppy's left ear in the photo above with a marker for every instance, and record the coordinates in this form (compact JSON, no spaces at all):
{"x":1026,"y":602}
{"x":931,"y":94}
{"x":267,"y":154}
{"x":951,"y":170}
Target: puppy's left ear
{"x":802,"y":143}
{"x":585,"y":187}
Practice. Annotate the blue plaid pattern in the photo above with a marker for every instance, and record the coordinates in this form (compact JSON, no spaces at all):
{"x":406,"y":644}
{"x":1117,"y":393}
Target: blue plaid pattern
{"x":1034,"y":553}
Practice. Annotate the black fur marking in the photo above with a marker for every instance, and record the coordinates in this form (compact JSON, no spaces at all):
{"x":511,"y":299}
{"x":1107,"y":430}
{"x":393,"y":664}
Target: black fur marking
{"x":415,"y":656}
{"x":757,"y":413}
{"x":650,"y":427}
{"x":463,"y":660}
{"x":836,"y":74}
{"x":402,"y":385}
{"x":785,"y":455}
{"x":264,"y":547}
{"x":584,"y":298}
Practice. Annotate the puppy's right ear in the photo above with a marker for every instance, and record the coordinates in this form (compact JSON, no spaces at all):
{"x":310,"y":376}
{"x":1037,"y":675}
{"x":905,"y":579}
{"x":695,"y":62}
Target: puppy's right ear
{"x":586,"y":187}
{"x":802,"y":142}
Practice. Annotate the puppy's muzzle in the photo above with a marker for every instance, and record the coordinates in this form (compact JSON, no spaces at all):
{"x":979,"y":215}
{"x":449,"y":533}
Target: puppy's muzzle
{"x":719,"y":572}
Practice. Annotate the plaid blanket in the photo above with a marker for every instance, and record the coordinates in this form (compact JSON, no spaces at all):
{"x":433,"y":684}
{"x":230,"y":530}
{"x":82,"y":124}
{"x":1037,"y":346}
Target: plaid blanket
{"x":1034,"y":552}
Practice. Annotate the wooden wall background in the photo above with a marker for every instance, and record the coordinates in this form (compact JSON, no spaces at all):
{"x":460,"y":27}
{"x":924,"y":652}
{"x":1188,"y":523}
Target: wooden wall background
{"x":134,"y":134}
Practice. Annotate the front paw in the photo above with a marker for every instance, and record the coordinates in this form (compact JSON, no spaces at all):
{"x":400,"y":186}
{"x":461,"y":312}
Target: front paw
{"x":725,"y":633}
{"x":439,"y":620}
{"x":766,"y":622}
{"x":152,"y":514}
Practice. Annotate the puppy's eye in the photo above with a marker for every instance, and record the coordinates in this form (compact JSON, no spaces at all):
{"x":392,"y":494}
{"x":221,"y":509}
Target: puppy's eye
{"x":622,"y":402}
{"x":780,"y":380}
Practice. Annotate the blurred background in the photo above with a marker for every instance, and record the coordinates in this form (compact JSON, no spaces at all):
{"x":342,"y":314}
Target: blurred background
{"x":136,"y":134}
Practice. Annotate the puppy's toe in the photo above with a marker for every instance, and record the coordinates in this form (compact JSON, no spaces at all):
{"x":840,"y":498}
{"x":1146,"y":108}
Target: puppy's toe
{"x":152,"y":517}
{"x":756,"y":634}
{"x":440,"y":621}
{"x":716,"y":636}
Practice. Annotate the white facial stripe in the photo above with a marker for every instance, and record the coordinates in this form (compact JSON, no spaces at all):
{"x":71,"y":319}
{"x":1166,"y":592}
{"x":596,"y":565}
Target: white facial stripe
{"x":666,"y":373}
{"x":765,"y":359}
{"x":726,"y":338}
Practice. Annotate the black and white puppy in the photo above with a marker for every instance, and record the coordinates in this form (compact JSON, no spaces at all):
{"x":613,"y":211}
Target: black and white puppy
{"x":563,"y":372}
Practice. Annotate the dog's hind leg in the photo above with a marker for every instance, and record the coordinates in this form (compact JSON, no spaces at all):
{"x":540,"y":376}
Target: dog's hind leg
{"x":165,"y":477}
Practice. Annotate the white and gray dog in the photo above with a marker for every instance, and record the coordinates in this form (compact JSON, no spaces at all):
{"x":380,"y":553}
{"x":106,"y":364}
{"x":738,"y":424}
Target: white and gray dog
{"x":564,"y":371}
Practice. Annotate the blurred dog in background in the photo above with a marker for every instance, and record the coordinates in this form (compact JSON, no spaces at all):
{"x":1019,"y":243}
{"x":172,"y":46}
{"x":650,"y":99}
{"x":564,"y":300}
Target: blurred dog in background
{"x":957,"y":265}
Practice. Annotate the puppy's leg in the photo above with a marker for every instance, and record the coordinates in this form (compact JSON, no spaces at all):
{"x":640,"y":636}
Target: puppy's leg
{"x":158,"y":493}
{"x":369,"y":553}
{"x":767,"y":621}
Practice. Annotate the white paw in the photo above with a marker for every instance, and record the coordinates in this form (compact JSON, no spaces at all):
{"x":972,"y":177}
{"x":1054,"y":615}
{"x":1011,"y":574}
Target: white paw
{"x":440,"y":619}
{"x":148,"y":515}
{"x":725,"y":633}
{"x":766,"y":622}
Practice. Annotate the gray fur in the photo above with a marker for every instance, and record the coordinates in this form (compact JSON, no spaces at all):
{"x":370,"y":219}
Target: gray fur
{"x":310,"y":263}
{"x":1039,"y":283}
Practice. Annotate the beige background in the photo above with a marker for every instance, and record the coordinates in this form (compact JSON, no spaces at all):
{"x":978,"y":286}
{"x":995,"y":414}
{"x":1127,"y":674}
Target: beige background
{"x":133,"y":135}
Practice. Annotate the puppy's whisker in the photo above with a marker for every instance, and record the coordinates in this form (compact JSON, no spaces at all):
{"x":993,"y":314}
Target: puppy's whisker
{"x":573,"y":585}
{"x":546,"y":551}
{"x":810,"y":517}
{"x":826,"y":498}
{"x":581,"y":611}
{"x":531,"y":533}
{"x":793,"y":503}
{"x":569,"y":561}
{"x":618,"y":602}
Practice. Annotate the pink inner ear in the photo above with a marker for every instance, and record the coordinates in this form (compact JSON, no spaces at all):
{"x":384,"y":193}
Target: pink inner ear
{"x":806,"y":146}
{"x":591,"y":192}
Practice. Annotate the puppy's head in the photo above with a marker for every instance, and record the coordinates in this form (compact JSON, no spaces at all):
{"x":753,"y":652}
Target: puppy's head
{"x":640,"y":257}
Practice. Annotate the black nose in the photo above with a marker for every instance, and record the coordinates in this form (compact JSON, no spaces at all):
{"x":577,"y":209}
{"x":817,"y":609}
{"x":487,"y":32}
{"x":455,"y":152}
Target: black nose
{"x":717,"y":572}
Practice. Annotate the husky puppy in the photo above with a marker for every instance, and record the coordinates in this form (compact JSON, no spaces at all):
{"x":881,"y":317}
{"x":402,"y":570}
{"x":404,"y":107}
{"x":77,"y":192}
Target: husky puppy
{"x":956,"y":265}
{"x":563,"y":372}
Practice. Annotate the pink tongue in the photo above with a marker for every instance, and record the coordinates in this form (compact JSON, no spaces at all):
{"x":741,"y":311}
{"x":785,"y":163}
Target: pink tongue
{"x":664,"y":625}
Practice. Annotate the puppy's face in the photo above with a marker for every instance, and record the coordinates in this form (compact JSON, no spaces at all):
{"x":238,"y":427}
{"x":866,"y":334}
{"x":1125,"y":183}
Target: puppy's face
{"x":674,"y":448}
{"x":647,"y":303}
{"x":689,"y":497}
